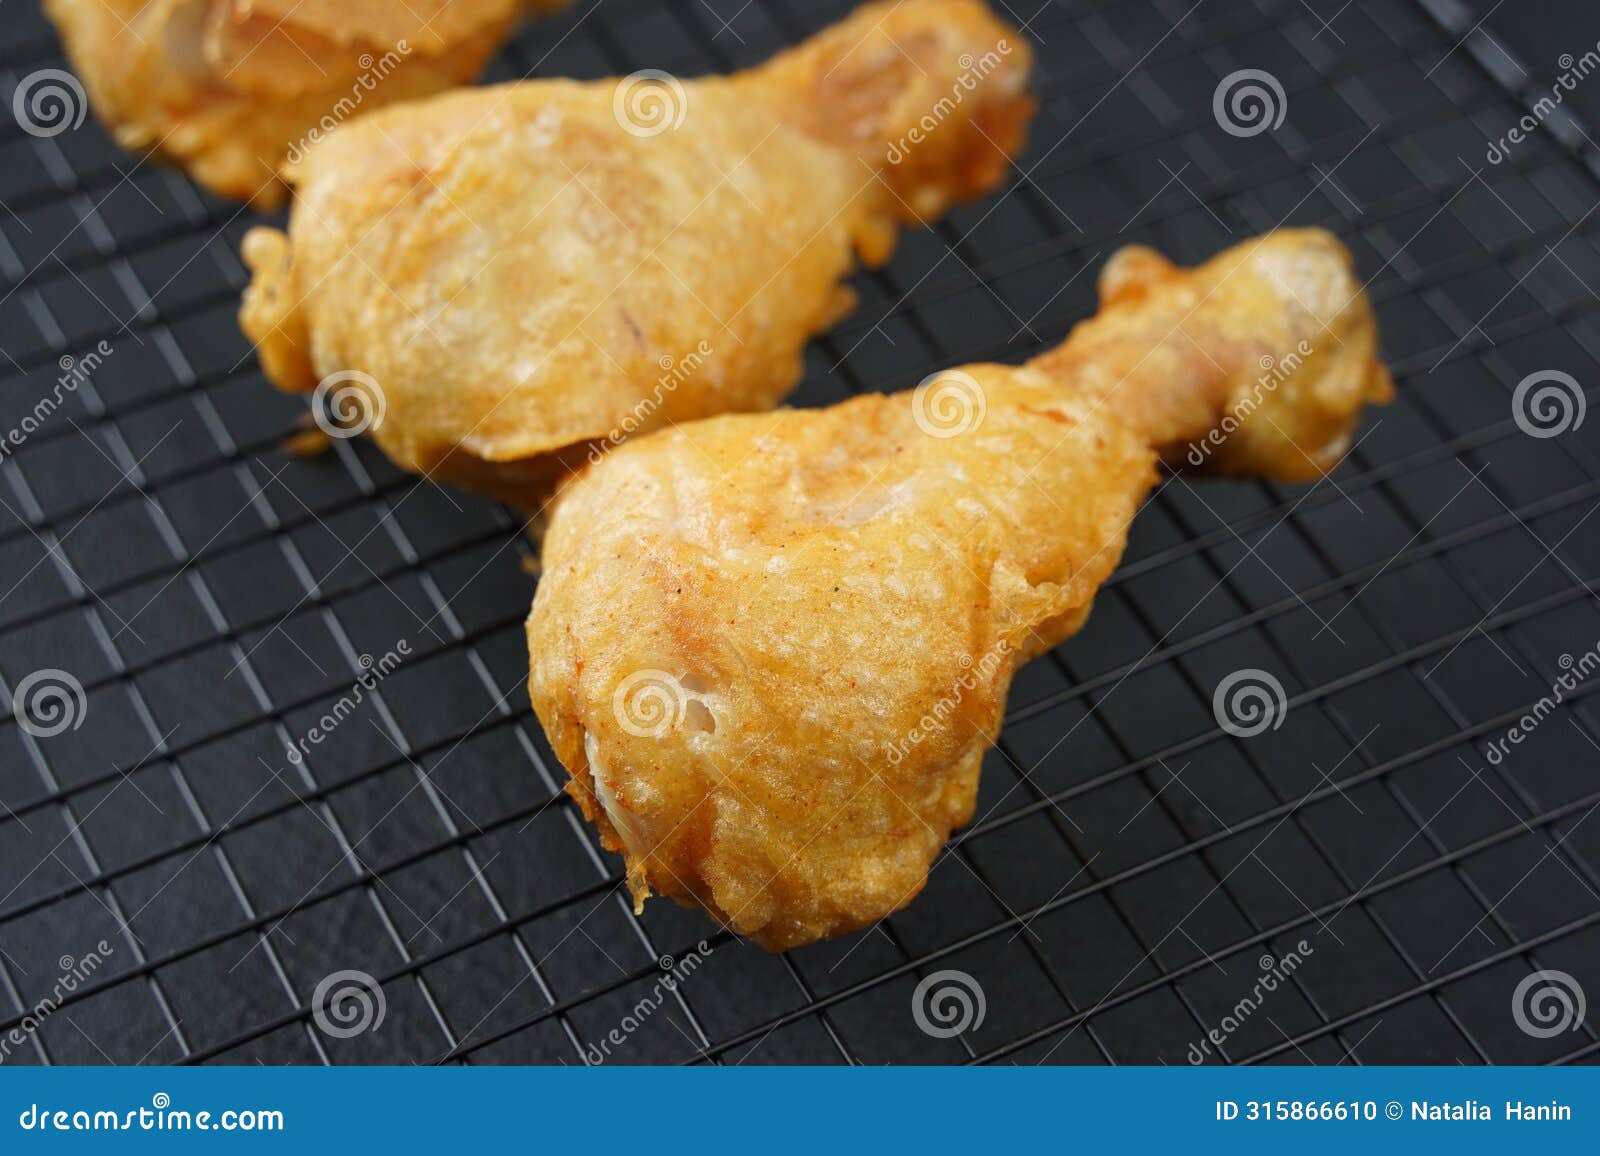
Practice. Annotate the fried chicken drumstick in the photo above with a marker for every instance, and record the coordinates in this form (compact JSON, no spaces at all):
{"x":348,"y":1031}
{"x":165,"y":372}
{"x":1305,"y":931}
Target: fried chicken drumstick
{"x":229,"y":89}
{"x":528,"y":271}
{"x":771,"y":650}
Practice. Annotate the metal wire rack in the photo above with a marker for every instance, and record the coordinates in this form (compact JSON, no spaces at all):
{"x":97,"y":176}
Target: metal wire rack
{"x":1134,"y":867}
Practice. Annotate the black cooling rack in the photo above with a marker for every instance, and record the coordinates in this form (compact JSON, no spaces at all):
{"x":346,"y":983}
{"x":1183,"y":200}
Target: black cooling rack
{"x":1135,"y":865}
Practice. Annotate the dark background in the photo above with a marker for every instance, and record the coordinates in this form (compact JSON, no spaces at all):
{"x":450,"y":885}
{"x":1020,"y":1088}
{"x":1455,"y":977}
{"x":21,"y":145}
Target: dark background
{"x":1132,"y":862}
{"x":1537,"y":32}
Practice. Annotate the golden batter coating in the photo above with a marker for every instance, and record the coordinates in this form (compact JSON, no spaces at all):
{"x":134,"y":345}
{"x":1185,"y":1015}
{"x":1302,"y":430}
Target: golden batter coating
{"x":230,"y":89}
{"x":527,"y":272}
{"x":772,"y":650}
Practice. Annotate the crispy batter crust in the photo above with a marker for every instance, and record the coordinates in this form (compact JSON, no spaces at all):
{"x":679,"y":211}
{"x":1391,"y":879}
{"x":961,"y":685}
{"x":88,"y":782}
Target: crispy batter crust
{"x":523,"y":275}
{"x":228,"y":88}
{"x":1286,"y":313}
{"x":772,"y":649}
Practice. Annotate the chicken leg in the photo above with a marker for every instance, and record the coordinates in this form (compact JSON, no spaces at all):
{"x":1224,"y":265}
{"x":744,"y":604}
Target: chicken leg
{"x":518,"y":275}
{"x":771,"y":650}
{"x":230,"y":89}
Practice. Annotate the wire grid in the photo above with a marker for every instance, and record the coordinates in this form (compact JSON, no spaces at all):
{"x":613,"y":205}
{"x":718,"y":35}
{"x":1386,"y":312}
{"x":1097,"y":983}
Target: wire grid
{"x":1133,"y":865}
